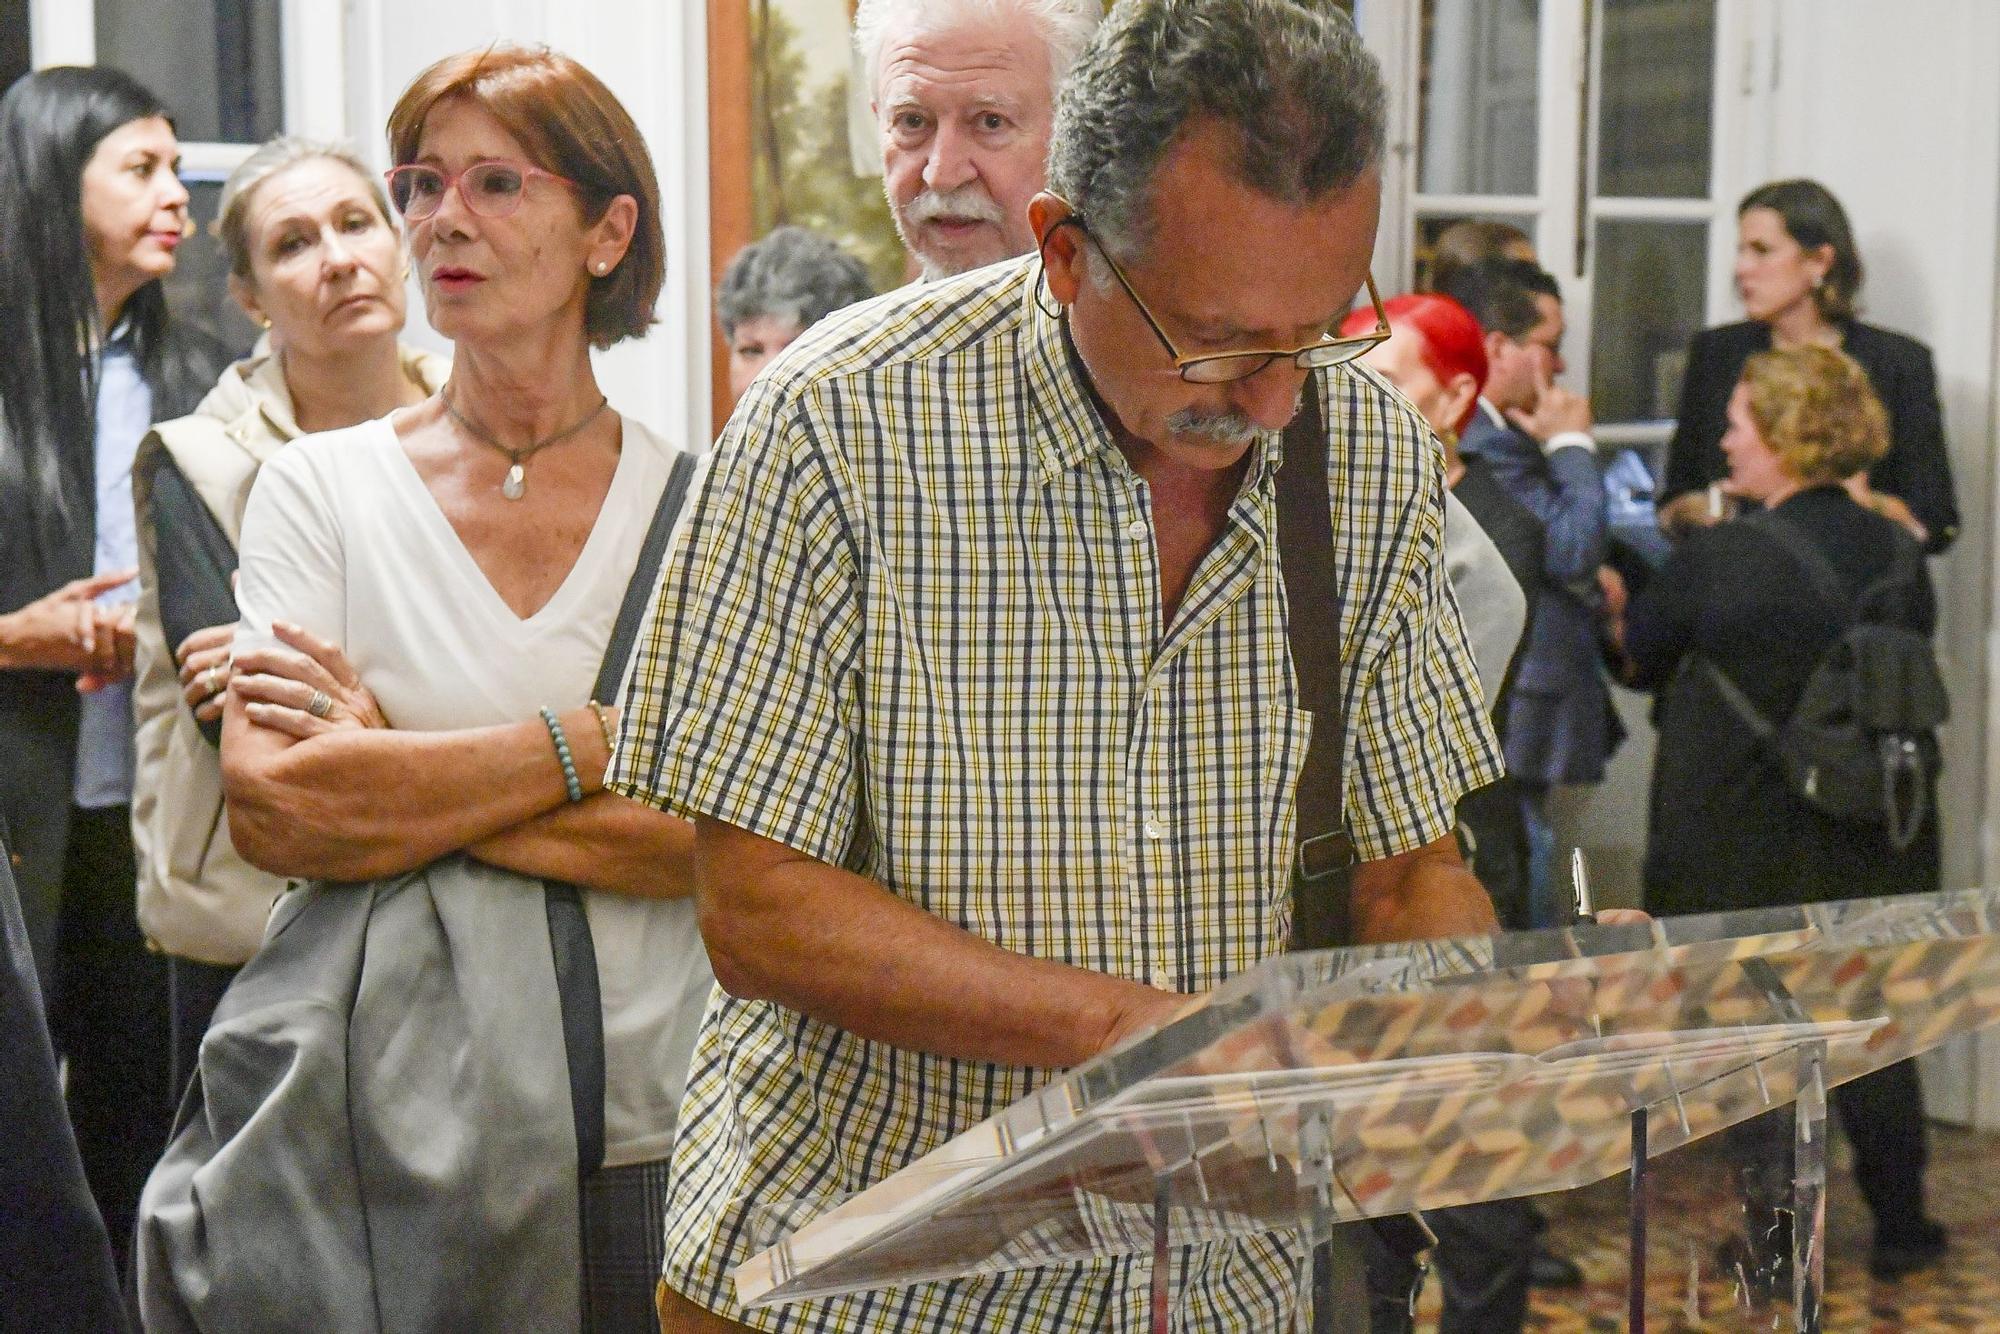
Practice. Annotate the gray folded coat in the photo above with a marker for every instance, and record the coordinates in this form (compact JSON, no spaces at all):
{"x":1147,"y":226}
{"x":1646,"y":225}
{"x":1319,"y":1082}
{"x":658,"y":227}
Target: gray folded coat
{"x":379,"y":1136}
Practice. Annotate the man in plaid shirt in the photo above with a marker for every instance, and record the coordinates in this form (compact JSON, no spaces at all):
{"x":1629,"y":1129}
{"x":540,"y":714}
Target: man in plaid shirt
{"x":971,"y":665}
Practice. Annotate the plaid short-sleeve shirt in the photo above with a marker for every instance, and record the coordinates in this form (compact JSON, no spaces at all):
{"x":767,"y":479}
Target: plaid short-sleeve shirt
{"x":912,"y":627}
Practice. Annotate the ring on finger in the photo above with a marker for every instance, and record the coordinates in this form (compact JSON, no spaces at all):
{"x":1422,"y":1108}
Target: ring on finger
{"x":320,"y":705}
{"x":213,"y":681}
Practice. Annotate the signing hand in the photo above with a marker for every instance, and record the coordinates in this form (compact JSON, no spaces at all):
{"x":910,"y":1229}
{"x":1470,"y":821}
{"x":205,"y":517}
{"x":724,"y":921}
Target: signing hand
{"x":205,"y":670}
{"x":305,"y":690}
{"x":66,"y":631}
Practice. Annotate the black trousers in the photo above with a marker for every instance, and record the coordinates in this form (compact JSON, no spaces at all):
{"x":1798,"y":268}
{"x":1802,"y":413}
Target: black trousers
{"x":194,"y":990}
{"x":1883,"y":1115}
{"x":108,"y":1016}
{"x":1481,"y":1258}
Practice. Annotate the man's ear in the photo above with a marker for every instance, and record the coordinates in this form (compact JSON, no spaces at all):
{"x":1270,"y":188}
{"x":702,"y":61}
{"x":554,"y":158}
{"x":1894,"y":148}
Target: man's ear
{"x":1459,"y":392}
{"x":1061,"y":247}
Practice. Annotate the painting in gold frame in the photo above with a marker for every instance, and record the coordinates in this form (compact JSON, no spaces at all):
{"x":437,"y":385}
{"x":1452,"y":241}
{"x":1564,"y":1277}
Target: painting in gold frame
{"x":791,"y":140}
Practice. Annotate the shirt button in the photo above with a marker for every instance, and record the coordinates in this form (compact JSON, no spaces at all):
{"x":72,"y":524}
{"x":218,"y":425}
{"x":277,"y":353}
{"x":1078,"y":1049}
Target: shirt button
{"x":1138,"y":530}
{"x":1161,"y":982}
{"x":1155,"y":828}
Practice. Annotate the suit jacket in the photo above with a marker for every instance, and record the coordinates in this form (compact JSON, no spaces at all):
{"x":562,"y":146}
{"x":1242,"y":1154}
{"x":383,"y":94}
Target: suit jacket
{"x":1916,"y":469}
{"x":38,"y":710}
{"x":1556,"y":719}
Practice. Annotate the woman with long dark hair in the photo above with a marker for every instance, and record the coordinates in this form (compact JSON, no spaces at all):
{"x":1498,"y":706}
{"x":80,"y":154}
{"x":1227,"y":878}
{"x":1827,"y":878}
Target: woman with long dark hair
{"x":91,"y":212}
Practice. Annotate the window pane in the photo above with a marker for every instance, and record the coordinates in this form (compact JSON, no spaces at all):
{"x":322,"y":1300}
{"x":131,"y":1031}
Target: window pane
{"x":215,"y":62}
{"x":198,"y":288}
{"x":1430,"y":228}
{"x":1658,"y":81}
{"x":1478,"y":97}
{"x":1649,"y":283}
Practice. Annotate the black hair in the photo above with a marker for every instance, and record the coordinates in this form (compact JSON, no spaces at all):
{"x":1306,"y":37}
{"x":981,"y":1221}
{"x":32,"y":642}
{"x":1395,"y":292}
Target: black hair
{"x":1501,"y":294}
{"x":51,"y":122}
{"x":1814,"y":218}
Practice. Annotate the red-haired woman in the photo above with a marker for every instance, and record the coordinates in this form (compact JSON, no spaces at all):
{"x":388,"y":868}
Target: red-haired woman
{"x":1436,"y":355}
{"x":433,"y":594}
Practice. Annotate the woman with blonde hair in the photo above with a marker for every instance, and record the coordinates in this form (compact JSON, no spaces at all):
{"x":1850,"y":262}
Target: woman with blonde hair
{"x":1726,"y":829}
{"x":316,"y":258}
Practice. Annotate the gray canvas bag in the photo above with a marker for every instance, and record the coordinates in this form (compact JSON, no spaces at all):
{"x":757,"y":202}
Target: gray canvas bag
{"x":395,"y":1102}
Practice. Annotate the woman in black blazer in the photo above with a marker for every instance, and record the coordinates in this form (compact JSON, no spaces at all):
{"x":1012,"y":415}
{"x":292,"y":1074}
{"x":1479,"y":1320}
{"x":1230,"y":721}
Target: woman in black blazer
{"x":91,"y":212}
{"x":1798,"y":272}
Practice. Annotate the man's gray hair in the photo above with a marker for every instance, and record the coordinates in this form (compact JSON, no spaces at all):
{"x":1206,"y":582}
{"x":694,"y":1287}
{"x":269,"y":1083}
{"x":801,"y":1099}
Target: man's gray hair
{"x":793,"y":273}
{"x":1289,"y":77}
{"x":1064,"y":24}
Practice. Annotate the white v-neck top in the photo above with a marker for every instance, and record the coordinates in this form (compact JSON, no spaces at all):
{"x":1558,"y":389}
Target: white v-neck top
{"x":342,"y":536}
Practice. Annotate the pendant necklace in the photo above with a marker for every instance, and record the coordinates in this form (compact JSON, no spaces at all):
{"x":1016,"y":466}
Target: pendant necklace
{"x":516,"y":484}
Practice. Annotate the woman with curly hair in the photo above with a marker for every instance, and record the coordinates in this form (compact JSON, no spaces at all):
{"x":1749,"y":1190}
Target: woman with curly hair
{"x":1726,"y":831}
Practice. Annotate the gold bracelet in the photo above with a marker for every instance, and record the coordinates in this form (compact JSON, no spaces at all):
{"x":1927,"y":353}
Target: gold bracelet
{"x":604,"y":726}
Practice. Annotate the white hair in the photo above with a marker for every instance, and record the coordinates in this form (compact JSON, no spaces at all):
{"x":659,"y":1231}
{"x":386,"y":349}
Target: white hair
{"x":1066,"y":25}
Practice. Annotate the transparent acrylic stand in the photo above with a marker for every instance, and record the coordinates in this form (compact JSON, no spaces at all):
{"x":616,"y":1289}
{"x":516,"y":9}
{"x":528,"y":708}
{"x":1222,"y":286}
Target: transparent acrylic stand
{"x":1322,"y":1089}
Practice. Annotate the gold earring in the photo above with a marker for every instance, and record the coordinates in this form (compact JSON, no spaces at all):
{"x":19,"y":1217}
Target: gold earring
{"x":263,"y":321}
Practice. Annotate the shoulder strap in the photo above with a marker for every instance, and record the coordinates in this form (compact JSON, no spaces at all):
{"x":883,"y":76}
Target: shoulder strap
{"x":1738,"y":702}
{"x":577,"y":986}
{"x":638,"y":593}
{"x":1313,"y":617}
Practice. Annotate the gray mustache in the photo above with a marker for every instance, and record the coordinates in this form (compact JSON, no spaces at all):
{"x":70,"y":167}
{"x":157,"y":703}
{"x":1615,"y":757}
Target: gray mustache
{"x":1225,"y":428}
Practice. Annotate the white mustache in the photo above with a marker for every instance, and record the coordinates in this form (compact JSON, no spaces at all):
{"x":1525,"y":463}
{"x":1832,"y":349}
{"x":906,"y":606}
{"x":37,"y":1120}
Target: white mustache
{"x":965,"y":201}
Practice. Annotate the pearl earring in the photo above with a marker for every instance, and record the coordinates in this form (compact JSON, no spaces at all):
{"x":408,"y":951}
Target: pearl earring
{"x":601,"y":268}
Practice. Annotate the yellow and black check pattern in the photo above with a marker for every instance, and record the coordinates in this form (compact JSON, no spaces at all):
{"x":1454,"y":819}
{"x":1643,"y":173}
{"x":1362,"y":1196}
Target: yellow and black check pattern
{"x":912,"y":627}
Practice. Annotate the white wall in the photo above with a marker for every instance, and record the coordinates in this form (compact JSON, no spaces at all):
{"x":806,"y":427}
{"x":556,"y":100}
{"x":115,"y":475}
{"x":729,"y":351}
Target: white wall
{"x":652,"y":54}
{"x":1896,"y":109}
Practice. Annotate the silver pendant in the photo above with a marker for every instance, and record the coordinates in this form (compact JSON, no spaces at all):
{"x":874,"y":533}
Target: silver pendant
{"x":516,"y":484}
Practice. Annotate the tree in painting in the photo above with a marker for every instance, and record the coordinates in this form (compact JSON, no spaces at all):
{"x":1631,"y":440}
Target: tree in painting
{"x":801,"y":156}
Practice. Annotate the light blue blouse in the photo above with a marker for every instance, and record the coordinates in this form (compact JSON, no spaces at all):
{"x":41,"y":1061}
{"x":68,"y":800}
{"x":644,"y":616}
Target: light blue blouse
{"x":124,"y":415}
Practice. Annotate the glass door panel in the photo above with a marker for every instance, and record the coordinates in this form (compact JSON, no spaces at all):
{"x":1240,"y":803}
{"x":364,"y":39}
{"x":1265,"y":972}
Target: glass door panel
{"x":217,"y":63}
{"x":1649,"y":283}
{"x":1657,"y":76}
{"x":1479,"y":97}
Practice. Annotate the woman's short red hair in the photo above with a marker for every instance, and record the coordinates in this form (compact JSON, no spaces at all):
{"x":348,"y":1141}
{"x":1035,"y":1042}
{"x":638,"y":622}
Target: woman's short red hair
{"x":572,"y":125}
{"x":1450,"y":341}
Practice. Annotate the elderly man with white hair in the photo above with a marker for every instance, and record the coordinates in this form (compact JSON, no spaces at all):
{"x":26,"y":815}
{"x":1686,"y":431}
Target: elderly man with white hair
{"x":964,"y":92}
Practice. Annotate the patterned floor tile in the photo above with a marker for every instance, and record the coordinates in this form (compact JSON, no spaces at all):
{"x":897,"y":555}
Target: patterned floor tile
{"x":1694,"y":1209}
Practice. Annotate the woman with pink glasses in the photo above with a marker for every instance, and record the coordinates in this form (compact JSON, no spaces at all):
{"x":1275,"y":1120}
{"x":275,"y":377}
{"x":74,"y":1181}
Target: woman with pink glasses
{"x":427,"y":600}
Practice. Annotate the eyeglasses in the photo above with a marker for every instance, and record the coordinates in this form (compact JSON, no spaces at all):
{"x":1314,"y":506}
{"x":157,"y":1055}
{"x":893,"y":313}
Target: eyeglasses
{"x":1225,"y":367}
{"x":491,"y":189}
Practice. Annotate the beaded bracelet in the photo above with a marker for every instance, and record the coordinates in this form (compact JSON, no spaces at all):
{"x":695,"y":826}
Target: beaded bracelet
{"x":604,"y":726}
{"x":563,"y":755}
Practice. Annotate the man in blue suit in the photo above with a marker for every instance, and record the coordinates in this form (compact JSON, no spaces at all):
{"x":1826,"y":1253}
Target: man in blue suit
{"x":1535,"y":439}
